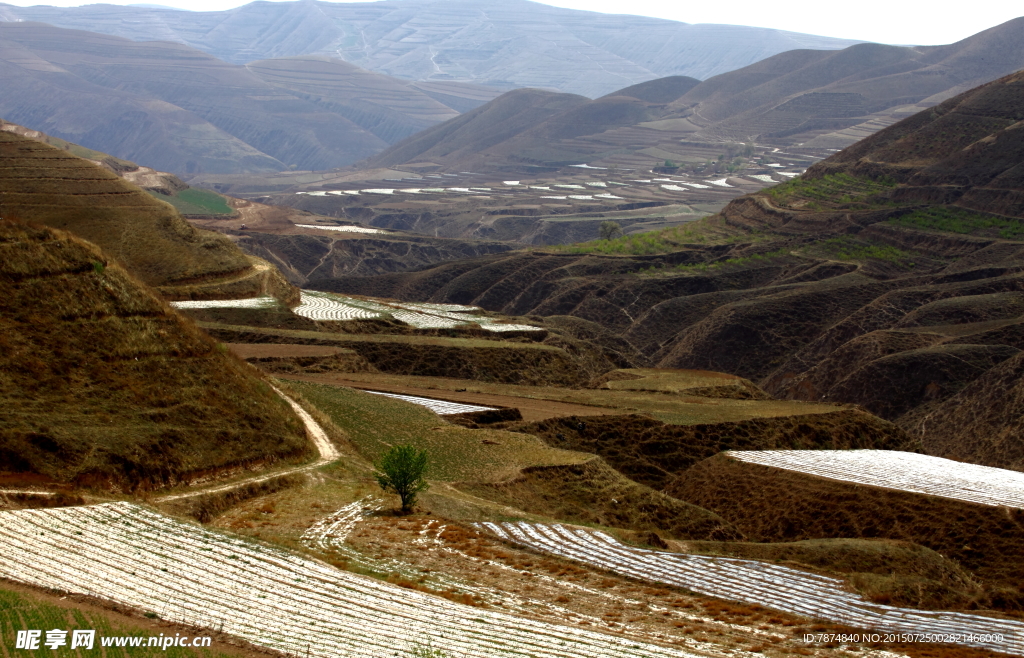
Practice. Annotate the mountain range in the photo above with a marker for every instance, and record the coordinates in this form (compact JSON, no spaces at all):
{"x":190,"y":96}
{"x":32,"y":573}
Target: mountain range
{"x":813,"y":100}
{"x":505,"y":44}
{"x":178,"y":109}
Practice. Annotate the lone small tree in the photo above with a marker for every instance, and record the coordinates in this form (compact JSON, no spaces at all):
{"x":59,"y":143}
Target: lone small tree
{"x":400,"y":470}
{"x":609,"y":230}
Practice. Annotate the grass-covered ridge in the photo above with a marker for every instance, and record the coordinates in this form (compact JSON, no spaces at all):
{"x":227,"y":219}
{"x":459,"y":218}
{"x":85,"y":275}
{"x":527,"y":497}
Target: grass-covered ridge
{"x":375,"y":423}
{"x":850,"y":249}
{"x":959,"y":220}
{"x":637,"y":244}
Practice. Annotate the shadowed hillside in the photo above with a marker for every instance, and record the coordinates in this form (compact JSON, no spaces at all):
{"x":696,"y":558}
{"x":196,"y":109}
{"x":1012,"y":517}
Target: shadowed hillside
{"x":887,"y":276}
{"x":46,"y":185}
{"x":105,"y":386}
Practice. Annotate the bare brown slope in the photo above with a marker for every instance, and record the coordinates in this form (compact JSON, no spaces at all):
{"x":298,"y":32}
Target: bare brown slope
{"x":102,"y":384}
{"x":982,"y":420}
{"x":662,"y":90}
{"x":653,"y":453}
{"x":466,"y":136}
{"x":40,"y":183}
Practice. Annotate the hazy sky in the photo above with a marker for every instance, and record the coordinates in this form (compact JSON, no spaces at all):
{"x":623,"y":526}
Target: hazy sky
{"x":916,"y":22}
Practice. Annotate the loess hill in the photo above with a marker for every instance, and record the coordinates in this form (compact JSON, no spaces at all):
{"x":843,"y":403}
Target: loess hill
{"x":104,"y":385}
{"x":888,"y":276}
{"x":43,"y":184}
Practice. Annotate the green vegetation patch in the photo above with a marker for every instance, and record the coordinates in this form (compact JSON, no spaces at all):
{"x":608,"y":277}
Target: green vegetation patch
{"x":739,"y":261}
{"x":375,"y":423}
{"x":636,"y":244}
{"x":19,"y":612}
{"x":849,"y":248}
{"x":831,"y":191}
{"x":958,"y":220}
{"x":194,"y":201}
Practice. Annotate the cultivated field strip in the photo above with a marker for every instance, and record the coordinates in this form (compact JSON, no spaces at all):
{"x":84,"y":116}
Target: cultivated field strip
{"x":133,"y":556}
{"x":748,"y":581}
{"x":433,"y":308}
{"x":494,"y":326}
{"x":439,"y":407}
{"x":904,"y":471}
{"x":255,"y":302}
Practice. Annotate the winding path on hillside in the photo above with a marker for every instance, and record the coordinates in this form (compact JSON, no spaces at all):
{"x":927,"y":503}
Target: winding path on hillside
{"x":328,"y":453}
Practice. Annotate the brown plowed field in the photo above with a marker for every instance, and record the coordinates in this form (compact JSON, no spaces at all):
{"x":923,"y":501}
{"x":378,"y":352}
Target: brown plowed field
{"x":532,"y":410}
{"x":283,"y":351}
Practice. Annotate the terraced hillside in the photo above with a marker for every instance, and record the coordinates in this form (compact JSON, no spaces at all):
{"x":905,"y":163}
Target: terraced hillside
{"x":105,"y":386}
{"x":885,"y":276}
{"x":51,"y":186}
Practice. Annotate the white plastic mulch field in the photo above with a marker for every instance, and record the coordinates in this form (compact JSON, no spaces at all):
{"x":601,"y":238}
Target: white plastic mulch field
{"x":327,"y":306}
{"x":764,"y":178}
{"x":324,"y":306}
{"x":761,"y":583}
{"x":255,"y":302}
{"x":439,"y":407}
{"x":133,"y":556}
{"x":343,"y":229}
{"x":905,"y":471}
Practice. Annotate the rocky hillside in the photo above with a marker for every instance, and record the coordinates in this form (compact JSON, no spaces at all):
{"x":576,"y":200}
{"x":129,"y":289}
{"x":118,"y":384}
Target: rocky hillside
{"x":889,"y":275}
{"x":105,"y":386}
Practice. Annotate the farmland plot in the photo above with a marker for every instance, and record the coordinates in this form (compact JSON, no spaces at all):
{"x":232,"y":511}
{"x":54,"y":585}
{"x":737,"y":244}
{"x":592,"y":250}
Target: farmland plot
{"x":255,"y":302}
{"x":330,"y":533}
{"x":493,"y":326}
{"x":904,"y":471}
{"x":424,"y":321}
{"x":133,"y":556}
{"x":748,"y":581}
